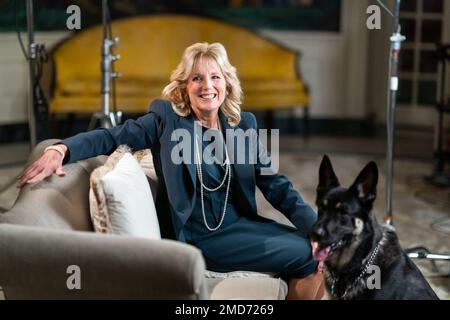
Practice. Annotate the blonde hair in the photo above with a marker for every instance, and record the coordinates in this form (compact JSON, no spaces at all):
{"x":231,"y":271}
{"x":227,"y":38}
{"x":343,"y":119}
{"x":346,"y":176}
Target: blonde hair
{"x":175,"y":91}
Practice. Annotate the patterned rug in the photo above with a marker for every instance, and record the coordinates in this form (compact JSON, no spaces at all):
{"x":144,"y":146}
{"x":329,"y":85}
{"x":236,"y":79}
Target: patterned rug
{"x":421,"y":211}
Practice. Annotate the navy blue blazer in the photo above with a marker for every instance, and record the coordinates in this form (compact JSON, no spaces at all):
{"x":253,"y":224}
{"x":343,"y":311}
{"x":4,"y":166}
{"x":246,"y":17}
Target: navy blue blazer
{"x":177,"y":191}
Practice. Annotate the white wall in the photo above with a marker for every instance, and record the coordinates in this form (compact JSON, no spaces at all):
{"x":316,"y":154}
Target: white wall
{"x":13,"y":87}
{"x":333,"y":64}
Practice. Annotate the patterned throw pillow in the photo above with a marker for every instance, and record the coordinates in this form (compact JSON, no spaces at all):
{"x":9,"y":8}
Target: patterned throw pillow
{"x":121,"y":201}
{"x":145,"y":159}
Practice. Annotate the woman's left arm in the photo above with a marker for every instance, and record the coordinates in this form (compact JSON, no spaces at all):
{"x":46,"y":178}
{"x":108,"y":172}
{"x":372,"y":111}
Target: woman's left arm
{"x":279,"y":191}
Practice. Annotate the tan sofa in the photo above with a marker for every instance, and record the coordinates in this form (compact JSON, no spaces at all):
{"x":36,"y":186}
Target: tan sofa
{"x":49,"y":229}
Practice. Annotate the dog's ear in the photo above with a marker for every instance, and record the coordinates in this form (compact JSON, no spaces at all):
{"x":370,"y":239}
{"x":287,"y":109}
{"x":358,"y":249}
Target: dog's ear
{"x":365,"y":185}
{"x":327,"y":178}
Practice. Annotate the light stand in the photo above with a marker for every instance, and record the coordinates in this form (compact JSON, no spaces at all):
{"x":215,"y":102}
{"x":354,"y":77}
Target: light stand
{"x":439,"y":177}
{"x":396,"y":40}
{"x":107,"y":118}
{"x":31,"y":56}
{"x":32,"y":70}
{"x":36,"y":102}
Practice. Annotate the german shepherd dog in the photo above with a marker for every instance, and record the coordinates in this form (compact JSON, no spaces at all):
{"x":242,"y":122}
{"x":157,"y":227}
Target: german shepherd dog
{"x":355,"y":249}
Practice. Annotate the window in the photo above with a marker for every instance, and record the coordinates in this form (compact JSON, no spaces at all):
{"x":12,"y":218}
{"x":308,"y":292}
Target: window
{"x":422,"y":24}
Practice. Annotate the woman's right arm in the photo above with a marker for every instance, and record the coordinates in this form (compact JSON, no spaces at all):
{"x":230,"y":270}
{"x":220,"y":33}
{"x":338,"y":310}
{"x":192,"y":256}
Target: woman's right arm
{"x":138,"y":134}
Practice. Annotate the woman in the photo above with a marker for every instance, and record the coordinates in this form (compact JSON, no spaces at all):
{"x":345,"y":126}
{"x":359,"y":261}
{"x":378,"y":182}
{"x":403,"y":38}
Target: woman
{"x":212,"y":204}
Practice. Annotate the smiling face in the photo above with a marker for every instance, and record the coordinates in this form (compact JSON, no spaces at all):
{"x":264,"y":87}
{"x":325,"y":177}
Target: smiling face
{"x":206,"y":87}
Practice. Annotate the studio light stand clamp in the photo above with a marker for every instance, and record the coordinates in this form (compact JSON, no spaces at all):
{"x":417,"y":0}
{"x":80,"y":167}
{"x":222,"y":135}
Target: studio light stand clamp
{"x":32,"y":57}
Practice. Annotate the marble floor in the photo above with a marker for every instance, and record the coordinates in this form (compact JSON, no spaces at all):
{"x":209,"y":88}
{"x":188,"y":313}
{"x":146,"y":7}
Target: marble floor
{"x":421,"y":210}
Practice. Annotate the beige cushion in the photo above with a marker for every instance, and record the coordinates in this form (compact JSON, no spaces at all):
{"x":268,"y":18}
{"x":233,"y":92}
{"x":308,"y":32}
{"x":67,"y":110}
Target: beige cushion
{"x":246,"y":285}
{"x":237,"y":274}
{"x":250,"y":288}
{"x":121,"y":201}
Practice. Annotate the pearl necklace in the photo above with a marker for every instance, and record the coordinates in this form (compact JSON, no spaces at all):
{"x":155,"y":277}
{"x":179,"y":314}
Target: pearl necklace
{"x":203,"y":186}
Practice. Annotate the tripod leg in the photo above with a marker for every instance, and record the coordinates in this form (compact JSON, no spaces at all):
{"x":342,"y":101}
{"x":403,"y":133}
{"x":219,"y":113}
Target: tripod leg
{"x":112,"y":119}
{"x":92,"y":123}
{"x":105,"y":121}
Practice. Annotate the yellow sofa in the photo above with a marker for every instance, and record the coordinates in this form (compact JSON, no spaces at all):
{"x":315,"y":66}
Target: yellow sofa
{"x":150,"y":48}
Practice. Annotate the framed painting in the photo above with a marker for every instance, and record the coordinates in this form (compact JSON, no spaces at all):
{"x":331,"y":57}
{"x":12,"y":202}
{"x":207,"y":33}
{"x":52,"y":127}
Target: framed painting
{"x":306,"y":15}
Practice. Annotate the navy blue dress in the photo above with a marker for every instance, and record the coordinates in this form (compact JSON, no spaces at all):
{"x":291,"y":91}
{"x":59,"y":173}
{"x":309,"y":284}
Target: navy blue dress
{"x":240,"y":243}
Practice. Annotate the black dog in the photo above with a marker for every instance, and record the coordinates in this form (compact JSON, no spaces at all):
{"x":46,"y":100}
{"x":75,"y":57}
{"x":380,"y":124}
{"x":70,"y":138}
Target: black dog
{"x":362,"y":259}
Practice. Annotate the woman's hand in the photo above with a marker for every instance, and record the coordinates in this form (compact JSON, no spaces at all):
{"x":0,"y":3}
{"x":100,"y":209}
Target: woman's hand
{"x":50,"y":162}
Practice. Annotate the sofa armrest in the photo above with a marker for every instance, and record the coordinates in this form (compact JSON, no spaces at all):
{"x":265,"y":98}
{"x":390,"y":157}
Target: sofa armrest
{"x":34,"y":263}
{"x":56,"y":202}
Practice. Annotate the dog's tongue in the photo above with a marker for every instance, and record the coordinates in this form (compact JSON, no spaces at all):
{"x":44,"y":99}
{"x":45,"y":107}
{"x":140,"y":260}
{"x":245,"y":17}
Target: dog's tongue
{"x":320,"y":255}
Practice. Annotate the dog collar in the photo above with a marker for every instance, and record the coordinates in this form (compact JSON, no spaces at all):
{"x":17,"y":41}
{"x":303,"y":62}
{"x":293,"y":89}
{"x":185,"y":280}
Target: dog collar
{"x":370,"y":259}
